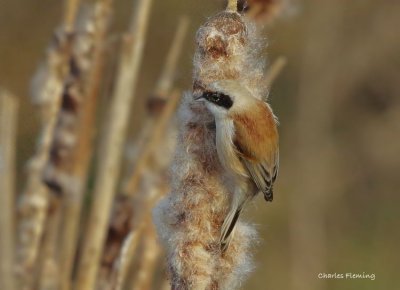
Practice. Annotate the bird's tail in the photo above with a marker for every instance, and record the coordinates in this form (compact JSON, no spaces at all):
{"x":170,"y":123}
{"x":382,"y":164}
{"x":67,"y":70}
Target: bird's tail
{"x":228,"y":227}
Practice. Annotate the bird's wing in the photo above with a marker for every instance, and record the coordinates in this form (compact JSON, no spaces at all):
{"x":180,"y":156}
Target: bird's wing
{"x":263,"y":174}
{"x":257,"y":141}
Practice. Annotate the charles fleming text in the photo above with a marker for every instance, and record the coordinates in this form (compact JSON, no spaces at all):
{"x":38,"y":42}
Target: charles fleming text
{"x":349,"y":275}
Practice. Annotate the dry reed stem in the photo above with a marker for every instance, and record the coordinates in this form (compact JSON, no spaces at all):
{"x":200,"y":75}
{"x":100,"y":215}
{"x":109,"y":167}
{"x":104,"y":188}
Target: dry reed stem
{"x":119,"y":228}
{"x":150,"y":254}
{"x":111,"y":147}
{"x":8,"y":132}
{"x":131,"y":242}
{"x":82,"y":152}
{"x":274,"y":70}
{"x":59,"y":172}
{"x":157,"y":133}
{"x":47,"y":89}
{"x":122,"y":215}
{"x":123,"y":212}
{"x":231,"y":5}
{"x":48,"y":264}
{"x":70,"y":8}
{"x":166,"y":285}
{"x":264,"y":11}
{"x":125,"y":258}
{"x":163,"y":89}
{"x":165,"y":82}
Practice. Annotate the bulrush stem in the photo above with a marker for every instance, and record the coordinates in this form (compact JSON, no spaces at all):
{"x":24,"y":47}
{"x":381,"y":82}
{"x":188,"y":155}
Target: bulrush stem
{"x":80,"y":156}
{"x":150,"y":194}
{"x":33,"y":204}
{"x":8,"y":132}
{"x":108,"y":169}
{"x":124,"y":260}
{"x":71,"y":8}
{"x":148,"y":260}
{"x":157,"y":133}
{"x":154,"y":128}
{"x":231,"y":5}
{"x":168,"y":73}
{"x":47,"y":263}
{"x":274,"y":70}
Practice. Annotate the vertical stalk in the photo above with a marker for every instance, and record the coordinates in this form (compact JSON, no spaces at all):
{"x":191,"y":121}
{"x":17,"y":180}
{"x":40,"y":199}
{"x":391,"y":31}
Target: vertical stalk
{"x":33,"y":204}
{"x":82,"y":152}
{"x":122,"y":214}
{"x":158,"y":132}
{"x":168,"y":73}
{"x":111,"y":147}
{"x":274,"y":71}
{"x":8,"y":132}
{"x":149,"y":257}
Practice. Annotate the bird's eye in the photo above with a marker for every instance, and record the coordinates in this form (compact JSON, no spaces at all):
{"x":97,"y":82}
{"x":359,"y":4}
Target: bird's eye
{"x":216,"y":98}
{"x":212,"y":97}
{"x":219,"y":99}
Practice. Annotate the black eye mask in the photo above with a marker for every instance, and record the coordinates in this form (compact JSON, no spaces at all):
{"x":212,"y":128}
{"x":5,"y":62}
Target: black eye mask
{"x":219,"y":99}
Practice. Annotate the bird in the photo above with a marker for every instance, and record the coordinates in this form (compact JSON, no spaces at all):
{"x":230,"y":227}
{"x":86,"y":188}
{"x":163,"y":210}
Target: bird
{"x":247,"y":143}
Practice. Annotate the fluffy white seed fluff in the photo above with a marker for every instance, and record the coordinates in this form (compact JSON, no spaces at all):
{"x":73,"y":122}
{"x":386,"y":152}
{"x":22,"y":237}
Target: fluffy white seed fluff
{"x":189,"y":218}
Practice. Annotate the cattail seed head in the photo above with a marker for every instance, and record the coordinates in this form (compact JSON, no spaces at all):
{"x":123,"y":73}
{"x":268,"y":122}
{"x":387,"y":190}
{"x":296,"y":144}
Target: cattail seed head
{"x":190,"y":217}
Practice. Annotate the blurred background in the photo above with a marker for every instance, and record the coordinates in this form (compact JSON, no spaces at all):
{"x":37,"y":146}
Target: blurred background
{"x":338,"y":103}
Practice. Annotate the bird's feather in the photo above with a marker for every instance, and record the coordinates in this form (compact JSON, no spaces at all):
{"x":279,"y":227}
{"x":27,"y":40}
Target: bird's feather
{"x":256,"y":139}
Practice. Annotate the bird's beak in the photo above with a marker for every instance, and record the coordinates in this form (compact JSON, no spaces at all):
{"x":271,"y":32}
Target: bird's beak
{"x":198,"y":97}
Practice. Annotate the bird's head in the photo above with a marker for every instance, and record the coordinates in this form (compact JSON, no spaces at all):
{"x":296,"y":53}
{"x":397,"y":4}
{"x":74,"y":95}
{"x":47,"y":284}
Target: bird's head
{"x":223,"y":97}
